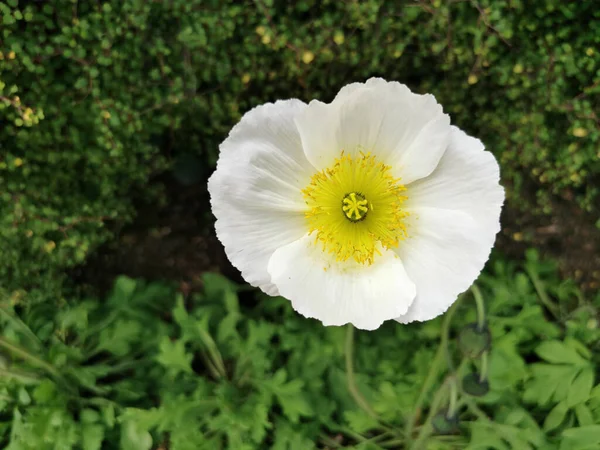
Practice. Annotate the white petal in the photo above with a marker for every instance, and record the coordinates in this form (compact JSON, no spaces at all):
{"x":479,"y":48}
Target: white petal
{"x":256,"y":189}
{"x":444,"y":254}
{"x":455,"y":216}
{"x":466,"y":179}
{"x":405,"y":130}
{"x":337,"y":294}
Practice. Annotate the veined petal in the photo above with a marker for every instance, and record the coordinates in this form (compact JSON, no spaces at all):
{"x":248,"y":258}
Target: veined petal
{"x":256,"y":189}
{"x":336,"y":293}
{"x":407,"y":131}
{"x":444,"y":254}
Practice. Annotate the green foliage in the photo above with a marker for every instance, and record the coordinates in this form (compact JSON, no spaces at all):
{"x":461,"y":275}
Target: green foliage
{"x":148,"y":368}
{"x":96,"y":98}
{"x":94,"y":95}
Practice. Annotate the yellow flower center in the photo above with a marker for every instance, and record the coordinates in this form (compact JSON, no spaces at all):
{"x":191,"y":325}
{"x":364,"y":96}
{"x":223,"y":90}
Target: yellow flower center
{"x":355,"y":208}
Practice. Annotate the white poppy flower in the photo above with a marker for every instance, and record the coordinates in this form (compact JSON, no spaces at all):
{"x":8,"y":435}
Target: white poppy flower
{"x":370,"y":208}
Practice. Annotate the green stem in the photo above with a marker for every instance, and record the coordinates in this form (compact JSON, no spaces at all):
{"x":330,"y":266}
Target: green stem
{"x":434,"y":370}
{"x":358,"y":397}
{"x":394,"y":443}
{"x":446,"y":333}
{"x":329,"y":442}
{"x":18,"y":323}
{"x":427,"y":427}
{"x":480,"y":307}
{"x":541,"y":291}
{"x":476,"y":410}
{"x":452,"y":405}
{"x":32,"y":359}
{"x":23,"y":377}
{"x":484,"y":366}
{"x":213,"y":353}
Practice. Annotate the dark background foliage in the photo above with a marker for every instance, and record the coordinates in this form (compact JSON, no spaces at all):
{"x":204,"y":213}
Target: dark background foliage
{"x":111,"y":113}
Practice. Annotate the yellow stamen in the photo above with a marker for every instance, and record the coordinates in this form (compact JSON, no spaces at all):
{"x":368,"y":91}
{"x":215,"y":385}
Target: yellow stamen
{"x":355,"y":208}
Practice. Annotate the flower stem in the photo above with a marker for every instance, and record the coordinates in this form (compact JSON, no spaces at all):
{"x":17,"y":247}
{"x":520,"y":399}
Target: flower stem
{"x":426,"y":429}
{"x":480,"y":307}
{"x":484,"y":366}
{"x":358,"y":397}
{"x":434,"y":370}
{"x":452,"y":405}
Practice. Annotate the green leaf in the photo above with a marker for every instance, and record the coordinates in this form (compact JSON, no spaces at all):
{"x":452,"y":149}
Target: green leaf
{"x":582,"y":438}
{"x":559,"y":353}
{"x":584,"y":415}
{"x":483,"y":437}
{"x":549,"y":382}
{"x":580,"y":389}
{"x":123,"y":290}
{"x":89,"y":416}
{"x":556,"y":416}
{"x":289,"y":437}
{"x":359,"y":421}
{"x":92,"y":436}
{"x":290,"y":396}
{"x":174,"y":357}
{"x":108,"y":415}
{"x":133,"y":437}
{"x":117,"y":339}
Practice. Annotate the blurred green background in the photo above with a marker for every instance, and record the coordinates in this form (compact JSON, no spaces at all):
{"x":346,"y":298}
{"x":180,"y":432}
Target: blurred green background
{"x":123,"y":324}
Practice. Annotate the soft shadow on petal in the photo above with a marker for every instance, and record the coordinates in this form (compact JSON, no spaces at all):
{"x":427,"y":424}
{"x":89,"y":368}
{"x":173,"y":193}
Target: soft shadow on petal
{"x":256,"y":189}
{"x":466,"y":179}
{"x":444,"y":254}
{"x":453,"y":222}
{"x":337,"y":294}
{"x":404,"y":130}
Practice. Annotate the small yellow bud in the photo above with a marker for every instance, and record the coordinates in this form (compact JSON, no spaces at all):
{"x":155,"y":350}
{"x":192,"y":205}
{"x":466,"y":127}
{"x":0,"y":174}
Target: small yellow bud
{"x":589,"y":51}
{"x":580,"y":132}
{"x":260,"y":30}
{"x":518,"y":236}
{"x":18,"y":162}
{"x":49,"y":246}
{"x":518,"y":68}
{"x":29,"y":233}
{"x":339,"y":38}
{"x":105,"y":114}
{"x":308,"y":57}
{"x":246,"y":78}
{"x":472,"y":79}
{"x":11,"y":55}
{"x":397,"y":54}
{"x":266,"y":39}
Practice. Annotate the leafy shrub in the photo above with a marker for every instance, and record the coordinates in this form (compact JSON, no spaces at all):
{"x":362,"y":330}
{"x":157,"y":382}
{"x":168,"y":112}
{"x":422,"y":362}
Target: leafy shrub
{"x":149,"y":368}
{"x":95,"y":97}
